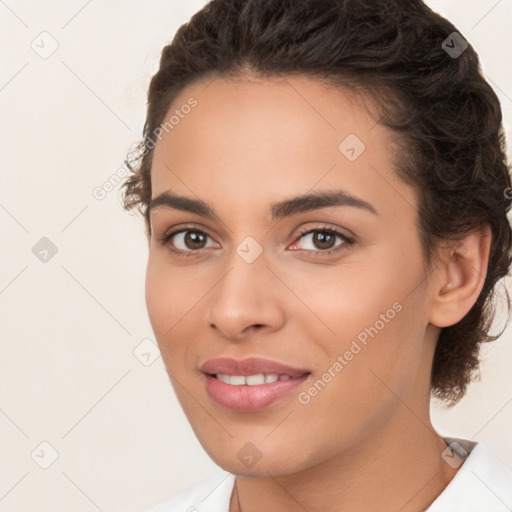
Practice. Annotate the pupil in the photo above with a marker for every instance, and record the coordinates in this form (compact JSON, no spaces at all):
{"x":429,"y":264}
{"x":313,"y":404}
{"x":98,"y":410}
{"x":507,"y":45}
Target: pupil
{"x":320,"y":238}
{"x":192,"y":238}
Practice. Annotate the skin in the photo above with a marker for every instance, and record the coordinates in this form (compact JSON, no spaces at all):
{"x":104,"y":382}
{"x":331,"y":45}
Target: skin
{"x":365,"y":441}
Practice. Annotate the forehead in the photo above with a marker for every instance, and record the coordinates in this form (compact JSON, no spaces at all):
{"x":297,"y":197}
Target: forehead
{"x":248,"y":140}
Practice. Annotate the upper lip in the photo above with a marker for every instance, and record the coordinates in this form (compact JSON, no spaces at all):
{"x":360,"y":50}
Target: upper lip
{"x":249,"y":366}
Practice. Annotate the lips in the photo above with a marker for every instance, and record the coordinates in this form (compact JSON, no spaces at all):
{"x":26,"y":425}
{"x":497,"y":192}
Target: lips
{"x":251,"y":384}
{"x":250,"y":366}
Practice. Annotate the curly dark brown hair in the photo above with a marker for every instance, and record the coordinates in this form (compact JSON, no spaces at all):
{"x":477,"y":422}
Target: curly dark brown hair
{"x":450,"y":145}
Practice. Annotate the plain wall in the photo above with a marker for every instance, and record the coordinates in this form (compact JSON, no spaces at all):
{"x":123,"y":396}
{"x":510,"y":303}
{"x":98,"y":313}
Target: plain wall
{"x":69,"y":326}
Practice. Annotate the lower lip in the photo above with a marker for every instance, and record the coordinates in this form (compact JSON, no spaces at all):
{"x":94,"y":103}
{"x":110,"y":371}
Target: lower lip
{"x":250,"y":398}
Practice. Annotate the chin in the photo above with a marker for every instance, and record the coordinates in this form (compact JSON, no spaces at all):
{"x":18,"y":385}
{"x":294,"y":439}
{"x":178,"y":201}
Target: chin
{"x":273,"y":467}
{"x":251,"y":459}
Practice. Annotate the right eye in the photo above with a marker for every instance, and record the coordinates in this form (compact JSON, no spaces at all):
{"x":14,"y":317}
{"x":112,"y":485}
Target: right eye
{"x":186,"y":241}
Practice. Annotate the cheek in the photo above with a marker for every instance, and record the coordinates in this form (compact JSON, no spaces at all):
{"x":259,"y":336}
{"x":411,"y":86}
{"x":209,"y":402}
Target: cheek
{"x":342,"y":301}
{"x":365,"y":306}
{"x":158,"y":298}
{"x":173,"y":301}
{"x":167,"y":298}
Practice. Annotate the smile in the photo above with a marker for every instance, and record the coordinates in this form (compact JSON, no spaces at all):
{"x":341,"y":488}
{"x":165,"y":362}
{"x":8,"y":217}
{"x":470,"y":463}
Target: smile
{"x":251,"y":380}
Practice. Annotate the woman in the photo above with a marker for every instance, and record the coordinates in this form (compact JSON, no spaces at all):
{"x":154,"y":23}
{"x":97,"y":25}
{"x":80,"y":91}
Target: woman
{"x":325,"y":190}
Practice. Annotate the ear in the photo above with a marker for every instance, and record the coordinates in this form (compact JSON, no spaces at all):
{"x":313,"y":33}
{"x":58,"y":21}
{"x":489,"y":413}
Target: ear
{"x":459,"y":278}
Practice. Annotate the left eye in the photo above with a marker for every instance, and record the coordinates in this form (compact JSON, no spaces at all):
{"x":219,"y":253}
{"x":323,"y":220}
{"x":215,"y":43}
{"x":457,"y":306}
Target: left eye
{"x":320,"y":240}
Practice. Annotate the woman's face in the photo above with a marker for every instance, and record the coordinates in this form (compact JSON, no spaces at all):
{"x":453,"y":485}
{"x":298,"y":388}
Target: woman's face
{"x":249,"y":275}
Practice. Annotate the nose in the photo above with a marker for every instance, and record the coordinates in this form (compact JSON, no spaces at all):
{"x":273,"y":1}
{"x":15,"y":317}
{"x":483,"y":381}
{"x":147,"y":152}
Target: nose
{"x":247,"y":299}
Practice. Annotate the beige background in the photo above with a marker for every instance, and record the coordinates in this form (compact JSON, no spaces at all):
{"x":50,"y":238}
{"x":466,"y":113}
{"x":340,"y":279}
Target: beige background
{"x":69,"y":327}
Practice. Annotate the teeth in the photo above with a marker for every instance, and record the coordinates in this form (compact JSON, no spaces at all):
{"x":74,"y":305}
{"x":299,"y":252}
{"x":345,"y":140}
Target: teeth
{"x":251,"y":380}
{"x":254,"y":380}
{"x":236,"y":380}
{"x":223,"y":377}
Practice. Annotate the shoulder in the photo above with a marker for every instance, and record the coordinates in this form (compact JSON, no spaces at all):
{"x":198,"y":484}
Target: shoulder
{"x":210,"y":494}
{"x":483,"y":482}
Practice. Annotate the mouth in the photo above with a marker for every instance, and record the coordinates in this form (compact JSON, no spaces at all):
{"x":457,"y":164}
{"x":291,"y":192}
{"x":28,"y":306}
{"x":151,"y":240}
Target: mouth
{"x":250,"y":385}
{"x":250,"y":380}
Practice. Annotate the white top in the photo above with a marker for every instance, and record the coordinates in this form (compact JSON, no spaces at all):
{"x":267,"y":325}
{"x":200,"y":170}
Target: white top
{"x":482,"y":484}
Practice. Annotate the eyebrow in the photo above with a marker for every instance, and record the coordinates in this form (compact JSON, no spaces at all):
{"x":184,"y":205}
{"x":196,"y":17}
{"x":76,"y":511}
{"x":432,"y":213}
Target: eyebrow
{"x":279,"y":210}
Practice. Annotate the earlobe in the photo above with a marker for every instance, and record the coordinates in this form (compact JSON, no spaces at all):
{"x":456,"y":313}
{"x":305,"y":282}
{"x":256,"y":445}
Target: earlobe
{"x":459,"y":278}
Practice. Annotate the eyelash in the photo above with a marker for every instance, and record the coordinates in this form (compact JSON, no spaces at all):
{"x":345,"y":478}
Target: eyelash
{"x":347,"y":241}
